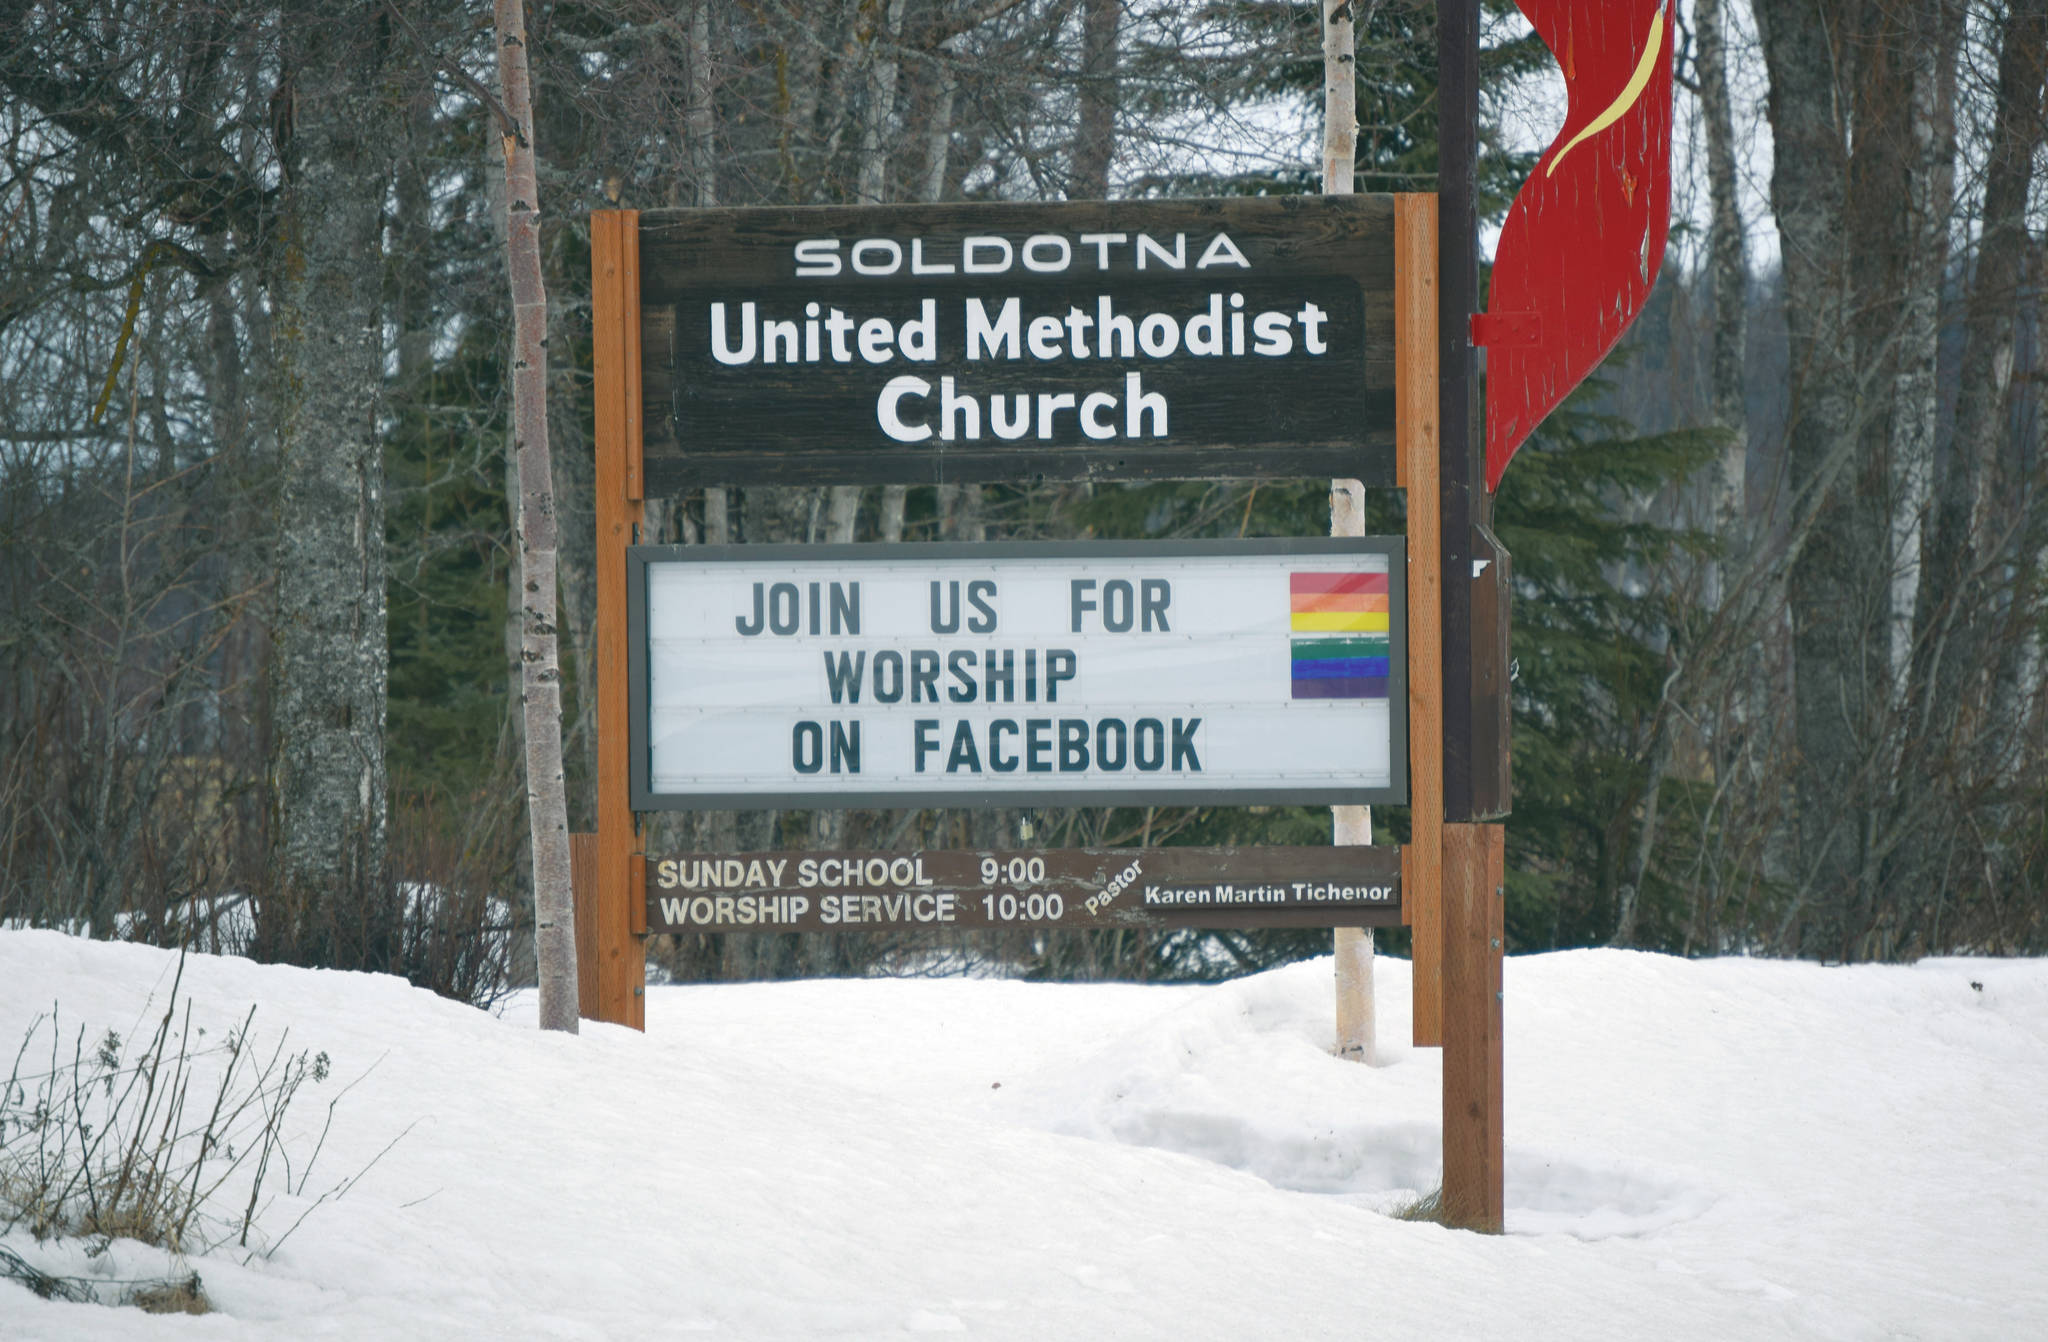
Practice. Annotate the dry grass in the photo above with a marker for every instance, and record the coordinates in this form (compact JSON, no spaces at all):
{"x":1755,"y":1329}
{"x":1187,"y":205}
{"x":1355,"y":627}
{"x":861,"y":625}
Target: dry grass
{"x":1428,"y":1207}
{"x":178,"y":1295}
{"x":99,"y":1142}
{"x":175,"y":1144}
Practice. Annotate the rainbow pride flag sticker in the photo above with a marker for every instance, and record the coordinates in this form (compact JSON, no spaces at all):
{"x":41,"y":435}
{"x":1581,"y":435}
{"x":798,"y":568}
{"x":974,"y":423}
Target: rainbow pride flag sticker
{"x":1338,"y":635}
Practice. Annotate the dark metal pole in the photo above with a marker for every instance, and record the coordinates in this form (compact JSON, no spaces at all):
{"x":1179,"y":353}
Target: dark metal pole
{"x":1461,"y":480}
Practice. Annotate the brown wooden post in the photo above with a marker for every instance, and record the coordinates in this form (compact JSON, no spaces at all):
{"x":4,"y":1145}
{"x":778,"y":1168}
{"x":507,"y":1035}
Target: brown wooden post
{"x":583,"y":880}
{"x":1473,"y":659}
{"x":614,"y":965}
{"x":1415,"y":437}
{"x":1474,"y":877}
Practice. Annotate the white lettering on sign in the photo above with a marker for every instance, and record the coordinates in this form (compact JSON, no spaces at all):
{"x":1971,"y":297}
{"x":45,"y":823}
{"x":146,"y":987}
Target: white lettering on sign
{"x":1127,"y":675}
{"x":938,"y":907}
{"x":910,"y":407}
{"x":1043,"y":253}
{"x":913,"y":409}
{"x":764,"y":910}
{"x":1117,"y":885}
{"x":907,"y":409}
{"x":1294,"y":892}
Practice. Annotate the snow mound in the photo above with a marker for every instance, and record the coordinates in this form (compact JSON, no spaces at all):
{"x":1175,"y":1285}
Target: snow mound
{"x":1695,"y":1151}
{"x":1242,"y":1076}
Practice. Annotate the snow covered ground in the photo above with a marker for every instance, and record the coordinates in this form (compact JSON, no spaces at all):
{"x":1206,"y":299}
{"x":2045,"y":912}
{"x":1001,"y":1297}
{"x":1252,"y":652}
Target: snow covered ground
{"x":1712,"y":1150}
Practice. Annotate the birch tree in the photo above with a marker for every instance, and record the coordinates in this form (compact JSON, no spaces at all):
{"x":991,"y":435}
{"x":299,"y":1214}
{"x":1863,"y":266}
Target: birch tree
{"x":1350,"y":824}
{"x":541,"y":681}
{"x":1957,"y":649}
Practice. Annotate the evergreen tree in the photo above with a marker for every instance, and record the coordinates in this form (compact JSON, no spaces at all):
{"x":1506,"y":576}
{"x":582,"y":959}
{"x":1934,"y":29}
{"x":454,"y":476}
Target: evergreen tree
{"x":1598,"y":628}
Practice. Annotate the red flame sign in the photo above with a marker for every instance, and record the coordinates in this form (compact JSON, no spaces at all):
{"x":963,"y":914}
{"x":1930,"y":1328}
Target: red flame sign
{"x":1585,"y":236}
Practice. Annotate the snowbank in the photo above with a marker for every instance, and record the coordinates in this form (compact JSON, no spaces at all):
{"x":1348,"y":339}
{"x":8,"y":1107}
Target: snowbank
{"x":1696,"y":1150}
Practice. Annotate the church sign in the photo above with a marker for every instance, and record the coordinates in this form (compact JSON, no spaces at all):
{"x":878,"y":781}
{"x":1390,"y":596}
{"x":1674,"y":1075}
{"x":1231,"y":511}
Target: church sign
{"x":1087,"y":340}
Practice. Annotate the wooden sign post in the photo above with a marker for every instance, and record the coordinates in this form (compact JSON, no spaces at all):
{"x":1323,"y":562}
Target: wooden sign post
{"x":1465,"y":978}
{"x":611,"y":970}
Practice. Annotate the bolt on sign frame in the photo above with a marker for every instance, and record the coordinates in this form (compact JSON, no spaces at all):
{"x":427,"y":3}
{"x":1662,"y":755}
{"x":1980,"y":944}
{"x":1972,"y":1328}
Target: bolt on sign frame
{"x":1052,"y":285}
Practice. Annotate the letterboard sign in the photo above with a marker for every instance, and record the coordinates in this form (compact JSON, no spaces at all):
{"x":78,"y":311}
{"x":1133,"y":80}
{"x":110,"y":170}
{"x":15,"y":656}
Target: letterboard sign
{"x":1104,"y":340}
{"x":1057,"y":887}
{"x":1227,"y":672}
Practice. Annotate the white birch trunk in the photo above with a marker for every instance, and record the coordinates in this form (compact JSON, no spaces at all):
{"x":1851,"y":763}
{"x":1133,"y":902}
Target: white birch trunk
{"x":869,"y":188}
{"x":1357,"y":1025}
{"x":1356,"y":1028}
{"x":541,"y":688}
{"x":938,"y":150}
{"x":939,"y":139}
{"x":1930,"y":199}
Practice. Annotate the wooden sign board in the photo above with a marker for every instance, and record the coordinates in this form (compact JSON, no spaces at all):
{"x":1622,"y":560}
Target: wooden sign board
{"x":1065,"y":888}
{"x":1085,"y":340}
{"x":1088,"y":674}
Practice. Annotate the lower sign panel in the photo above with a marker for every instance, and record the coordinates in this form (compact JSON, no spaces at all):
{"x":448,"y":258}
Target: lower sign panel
{"x":1067,"y":888}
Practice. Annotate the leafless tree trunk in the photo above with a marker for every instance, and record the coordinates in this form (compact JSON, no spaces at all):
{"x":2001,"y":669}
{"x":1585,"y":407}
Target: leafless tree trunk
{"x":845,"y":512}
{"x":798,"y":77}
{"x":1656,"y":764}
{"x":880,"y":48}
{"x":1095,"y":134}
{"x":1933,"y":31}
{"x":700,"y":131}
{"x":1356,"y":1025}
{"x":938,"y":140}
{"x":1730,"y":277}
{"x":1838,"y":587}
{"x":1357,"y":1019}
{"x":331,"y":659}
{"x":1972,"y":515}
{"x":546,"y":795}
{"x":1729,"y":280}
{"x":878,"y":45}
{"x":834,"y":103}
{"x":939,"y":135}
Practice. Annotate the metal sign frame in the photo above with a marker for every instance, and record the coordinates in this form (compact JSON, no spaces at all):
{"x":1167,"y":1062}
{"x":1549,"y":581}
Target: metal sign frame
{"x":644,"y":798}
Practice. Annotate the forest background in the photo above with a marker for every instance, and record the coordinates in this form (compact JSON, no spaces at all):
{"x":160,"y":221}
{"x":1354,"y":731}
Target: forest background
{"x":1779,"y":567}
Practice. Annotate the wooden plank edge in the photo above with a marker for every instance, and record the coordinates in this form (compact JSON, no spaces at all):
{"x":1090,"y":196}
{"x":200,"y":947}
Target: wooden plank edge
{"x":616,"y":956}
{"x":1416,"y":433}
{"x":1474,"y":1143}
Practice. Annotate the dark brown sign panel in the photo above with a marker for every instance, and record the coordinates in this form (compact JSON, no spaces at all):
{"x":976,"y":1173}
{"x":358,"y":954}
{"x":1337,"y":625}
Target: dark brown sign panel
{"x":1069,"y":888}
{"x":1096,"y":340}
